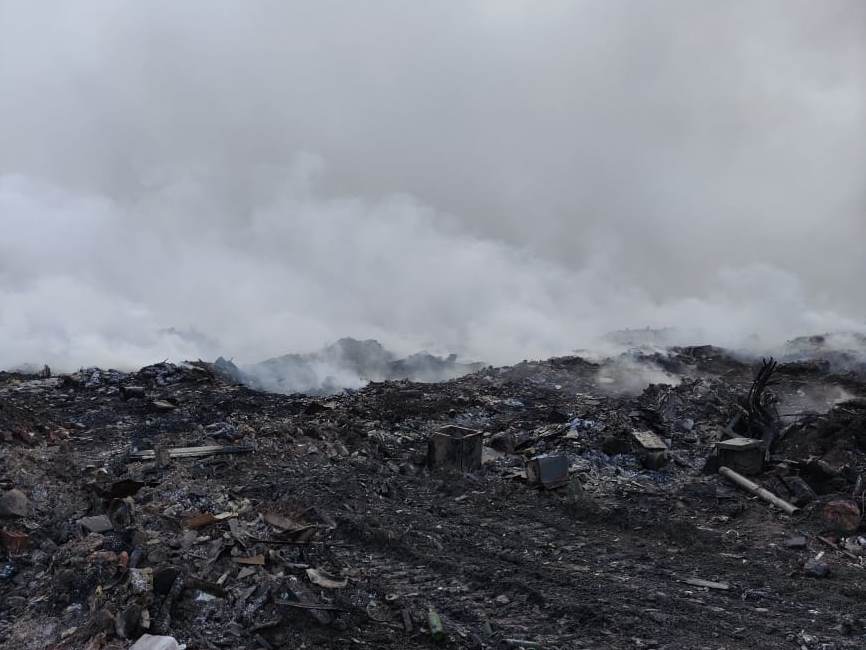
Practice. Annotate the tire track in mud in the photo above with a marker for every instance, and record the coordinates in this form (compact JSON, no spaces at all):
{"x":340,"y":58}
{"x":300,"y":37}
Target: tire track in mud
{"x":567,"y":582}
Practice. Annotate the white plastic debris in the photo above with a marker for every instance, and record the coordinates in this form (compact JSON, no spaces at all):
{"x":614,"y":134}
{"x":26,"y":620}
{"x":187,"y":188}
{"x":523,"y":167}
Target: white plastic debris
{"x":153,"y":642}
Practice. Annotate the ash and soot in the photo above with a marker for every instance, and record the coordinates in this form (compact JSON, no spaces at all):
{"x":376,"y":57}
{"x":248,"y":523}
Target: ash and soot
{"x":486,"y":324}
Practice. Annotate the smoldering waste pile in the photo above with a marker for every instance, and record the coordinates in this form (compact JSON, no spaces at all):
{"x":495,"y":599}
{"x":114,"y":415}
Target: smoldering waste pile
{"x":173,"y":507}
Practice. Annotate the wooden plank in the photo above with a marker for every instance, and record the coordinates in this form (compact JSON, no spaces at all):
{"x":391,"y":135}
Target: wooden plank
{"x":190,"y":452}
{"x":327,"y":608}
{"x":200,"y":521}
{"x":709,"y":584}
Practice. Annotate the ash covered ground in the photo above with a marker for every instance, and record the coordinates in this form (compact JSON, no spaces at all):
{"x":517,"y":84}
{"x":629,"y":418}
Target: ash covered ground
{"x":318,"y":522}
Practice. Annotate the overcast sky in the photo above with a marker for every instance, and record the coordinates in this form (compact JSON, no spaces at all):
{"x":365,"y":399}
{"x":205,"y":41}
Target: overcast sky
{"x":503,"y":179}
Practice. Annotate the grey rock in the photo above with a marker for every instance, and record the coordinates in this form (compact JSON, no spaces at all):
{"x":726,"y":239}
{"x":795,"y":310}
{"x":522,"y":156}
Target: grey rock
{"x":97,"y":524}
{"x":14,"y":503}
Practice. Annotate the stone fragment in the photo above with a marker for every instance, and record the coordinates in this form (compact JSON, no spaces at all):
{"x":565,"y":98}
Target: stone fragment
{"x":96,"y":524}
{"x":14,"y":503}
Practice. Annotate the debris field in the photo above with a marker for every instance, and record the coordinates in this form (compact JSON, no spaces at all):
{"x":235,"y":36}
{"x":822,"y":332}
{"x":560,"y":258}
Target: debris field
{"x":544,"y":505}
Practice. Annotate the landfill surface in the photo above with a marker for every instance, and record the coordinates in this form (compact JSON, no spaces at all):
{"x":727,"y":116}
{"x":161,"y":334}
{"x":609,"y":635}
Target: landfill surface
{"x":175,"y":502}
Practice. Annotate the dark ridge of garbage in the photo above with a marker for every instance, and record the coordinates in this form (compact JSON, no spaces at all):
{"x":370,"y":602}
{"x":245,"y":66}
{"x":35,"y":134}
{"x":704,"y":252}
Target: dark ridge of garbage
{"x":554,"y":504}
{"x":840,"y":352}
{"x":346,"y":364}
{"x":834,"y":435}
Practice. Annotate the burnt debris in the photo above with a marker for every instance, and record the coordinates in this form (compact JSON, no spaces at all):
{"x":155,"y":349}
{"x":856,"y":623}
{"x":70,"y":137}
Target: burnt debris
{"x":538,"y":505}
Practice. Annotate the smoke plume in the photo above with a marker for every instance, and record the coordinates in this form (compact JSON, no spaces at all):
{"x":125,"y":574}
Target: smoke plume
{"x":494,"y":178}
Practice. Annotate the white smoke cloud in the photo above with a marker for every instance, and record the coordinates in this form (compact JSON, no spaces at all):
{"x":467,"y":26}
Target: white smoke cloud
{"x":486,"y":178}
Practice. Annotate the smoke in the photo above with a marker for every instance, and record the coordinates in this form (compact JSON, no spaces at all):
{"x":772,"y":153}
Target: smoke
{"x":624,"y":375}
{"x":486,"y":178}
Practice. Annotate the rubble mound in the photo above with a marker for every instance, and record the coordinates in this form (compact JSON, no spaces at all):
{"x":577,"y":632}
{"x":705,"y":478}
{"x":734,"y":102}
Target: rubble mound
{"x":839,"y":351}
{"x":835,"y":435}
{"x":551,"y":504}
{"x":346,"y":364}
